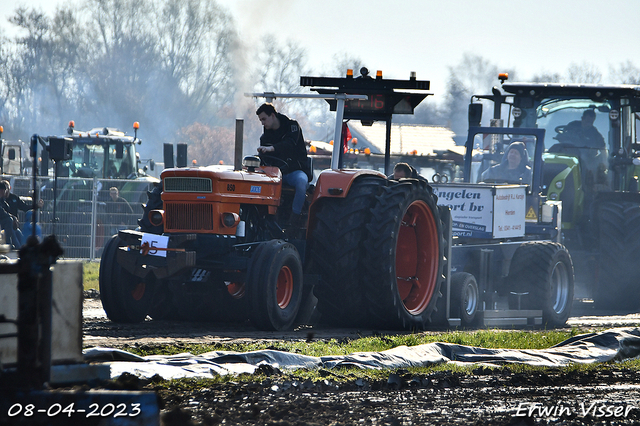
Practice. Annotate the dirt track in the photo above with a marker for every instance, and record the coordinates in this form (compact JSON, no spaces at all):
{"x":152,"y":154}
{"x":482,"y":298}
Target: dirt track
{"x":488,"y":397}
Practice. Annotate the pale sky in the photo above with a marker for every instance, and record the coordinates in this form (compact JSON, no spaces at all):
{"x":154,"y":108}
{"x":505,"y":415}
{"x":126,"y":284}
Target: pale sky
{"x":428,"y":36}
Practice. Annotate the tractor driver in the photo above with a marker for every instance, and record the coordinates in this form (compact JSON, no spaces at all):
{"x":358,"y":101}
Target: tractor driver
{"x":282,"y":139}
{"x":591,"y":148}
{"x":514,"y":167}
{"x":584,"y":133}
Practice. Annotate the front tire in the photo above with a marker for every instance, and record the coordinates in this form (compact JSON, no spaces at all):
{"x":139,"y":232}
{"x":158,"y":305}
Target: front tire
{"x":274,"y":285}
{"x":125,"y":297}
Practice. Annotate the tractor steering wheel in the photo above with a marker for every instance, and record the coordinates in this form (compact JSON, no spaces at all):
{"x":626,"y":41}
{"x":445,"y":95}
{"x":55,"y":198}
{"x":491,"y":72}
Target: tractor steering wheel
{"x":270,"y":160}
{"x":566,"y":136}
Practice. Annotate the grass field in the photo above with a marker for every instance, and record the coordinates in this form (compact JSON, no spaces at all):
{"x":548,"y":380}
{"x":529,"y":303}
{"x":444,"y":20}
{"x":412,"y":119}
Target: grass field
{"x":90,"y":275}
{"x":487,"y":338}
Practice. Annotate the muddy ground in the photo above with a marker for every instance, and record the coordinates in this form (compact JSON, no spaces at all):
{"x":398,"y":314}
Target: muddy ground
{"x":487,"y":397}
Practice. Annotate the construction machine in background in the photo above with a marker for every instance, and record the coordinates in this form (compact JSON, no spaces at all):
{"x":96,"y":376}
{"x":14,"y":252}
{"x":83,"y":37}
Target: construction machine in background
{"x":215,"y":243}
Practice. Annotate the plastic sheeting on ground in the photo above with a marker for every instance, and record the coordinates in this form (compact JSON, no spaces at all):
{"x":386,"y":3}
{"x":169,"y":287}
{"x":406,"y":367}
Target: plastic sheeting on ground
{"x":614,"y":344}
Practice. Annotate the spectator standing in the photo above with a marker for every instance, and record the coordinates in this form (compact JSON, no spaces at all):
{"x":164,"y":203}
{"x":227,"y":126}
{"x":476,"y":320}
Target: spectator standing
{"x":117,"y":210}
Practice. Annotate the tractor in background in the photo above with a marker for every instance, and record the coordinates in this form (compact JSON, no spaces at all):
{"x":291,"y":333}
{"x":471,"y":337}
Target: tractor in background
{"x":591,"y":162}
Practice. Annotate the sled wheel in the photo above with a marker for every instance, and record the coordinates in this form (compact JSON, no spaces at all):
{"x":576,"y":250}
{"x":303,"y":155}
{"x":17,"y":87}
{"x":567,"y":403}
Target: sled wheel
{"x":125,"y":297}
{"x":465,"y":296}
{"x":404,"y":256}
{"x":274,"y":285}
{"x":544,"y":271}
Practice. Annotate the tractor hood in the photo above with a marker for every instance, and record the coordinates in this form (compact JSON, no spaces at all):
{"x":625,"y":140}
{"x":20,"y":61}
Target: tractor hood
{"x":222,"y":184}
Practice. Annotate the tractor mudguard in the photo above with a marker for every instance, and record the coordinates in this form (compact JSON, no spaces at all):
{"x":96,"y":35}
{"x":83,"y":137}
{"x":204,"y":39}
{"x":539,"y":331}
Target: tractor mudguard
{"x":336,"y":183}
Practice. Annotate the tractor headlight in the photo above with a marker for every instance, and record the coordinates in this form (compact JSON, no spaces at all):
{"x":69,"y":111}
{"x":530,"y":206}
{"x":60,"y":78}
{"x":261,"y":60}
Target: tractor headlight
{"x":559,"y":184}
{"x":553,"y":196}
{"x":229,"y":219}
{"x":251,"y":161}
{"x":156,"y":217}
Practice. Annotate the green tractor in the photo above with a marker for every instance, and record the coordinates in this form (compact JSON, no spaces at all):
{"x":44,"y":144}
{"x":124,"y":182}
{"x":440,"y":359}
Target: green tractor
{"x":591,"y":163}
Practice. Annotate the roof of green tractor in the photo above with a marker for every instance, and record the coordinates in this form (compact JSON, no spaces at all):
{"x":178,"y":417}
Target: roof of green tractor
{"x":593,"y":91}
{"x":99,"y":136}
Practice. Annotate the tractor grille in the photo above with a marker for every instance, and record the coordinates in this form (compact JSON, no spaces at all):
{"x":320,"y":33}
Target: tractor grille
{"x":189,"y":217}
{"x":187,"y":184}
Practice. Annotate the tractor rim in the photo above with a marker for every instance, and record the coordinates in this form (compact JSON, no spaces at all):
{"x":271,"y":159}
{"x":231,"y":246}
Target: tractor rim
{"x":284,"y":287}
{"x":236,"y":290}
{"x":560,"y":287}
{"x":417,"y":257}
{"x":138,"y":291}
{"x":470,"y":300}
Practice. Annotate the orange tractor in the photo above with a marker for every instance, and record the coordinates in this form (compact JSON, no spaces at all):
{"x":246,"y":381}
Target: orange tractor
{"x":213,"y":243}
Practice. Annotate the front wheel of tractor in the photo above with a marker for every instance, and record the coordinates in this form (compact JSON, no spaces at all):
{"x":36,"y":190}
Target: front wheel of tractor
{"x":125,"y":297}
{"x":274,"y":285}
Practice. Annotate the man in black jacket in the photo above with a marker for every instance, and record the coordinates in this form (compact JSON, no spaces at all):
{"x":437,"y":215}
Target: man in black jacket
{"x":282,"y":139}
{"x":9,"y":206}
{"x":14,"y":203}
{"x":582,"y":133}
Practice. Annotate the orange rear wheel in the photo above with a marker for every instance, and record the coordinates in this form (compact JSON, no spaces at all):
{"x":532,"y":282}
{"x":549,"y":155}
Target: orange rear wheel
{"x":417,"y":257}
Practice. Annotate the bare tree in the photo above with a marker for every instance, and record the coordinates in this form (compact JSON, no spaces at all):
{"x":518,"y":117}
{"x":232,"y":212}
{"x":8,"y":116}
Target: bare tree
{"x":5,"y":79}
{"x":124,"y":62}
{"x":473,"y":75}
{"x":625,"y":73}
{"x":343,"y":62}
{"x":547,"y":77}
{"x":278,"y":69}
{"x":195,"y":42}
{"x":584,"y":73}
{"x":208,"y":145}
{"x":28,"y":78}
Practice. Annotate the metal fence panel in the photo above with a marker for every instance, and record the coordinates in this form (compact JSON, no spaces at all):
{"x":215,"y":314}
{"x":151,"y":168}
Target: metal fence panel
{"x":86,"y":215}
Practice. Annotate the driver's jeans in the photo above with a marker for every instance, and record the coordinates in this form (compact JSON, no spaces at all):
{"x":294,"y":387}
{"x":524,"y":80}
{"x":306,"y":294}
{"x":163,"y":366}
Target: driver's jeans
{"x":299,"y":181}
